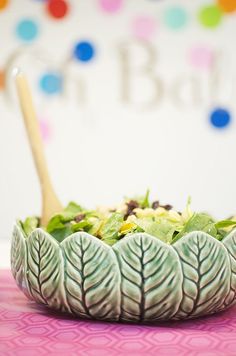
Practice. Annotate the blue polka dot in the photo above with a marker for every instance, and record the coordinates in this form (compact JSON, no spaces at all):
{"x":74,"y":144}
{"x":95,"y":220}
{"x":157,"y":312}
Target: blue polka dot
{"x":51,"y":83}
{"x":175,"y":17}
{"x":84,"y":51}
{"x":220,"y":118}
{"x":27,"y":30}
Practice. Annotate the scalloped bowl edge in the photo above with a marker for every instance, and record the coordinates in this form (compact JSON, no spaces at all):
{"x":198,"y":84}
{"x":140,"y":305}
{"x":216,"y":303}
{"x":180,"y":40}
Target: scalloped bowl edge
{"x":139,"y":279}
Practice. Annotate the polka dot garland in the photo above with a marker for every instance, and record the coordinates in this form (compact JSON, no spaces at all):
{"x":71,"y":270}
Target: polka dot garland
{"x":57,"y":8}
{"x":51,"y":83}
{"x":84,"y":51}
{"x":220,"y":118}
{"x":27,"y":30}
{"x":45,"y":129}
{"x":175,"y":17}
{"x":227,"y":5}
{"x":3,"y":4}
{"x":143,"y":27}
{"x":110,"y":6}
{"x":2,"y":79}
{"x":210,"y":16}
{"x":201,"y":57}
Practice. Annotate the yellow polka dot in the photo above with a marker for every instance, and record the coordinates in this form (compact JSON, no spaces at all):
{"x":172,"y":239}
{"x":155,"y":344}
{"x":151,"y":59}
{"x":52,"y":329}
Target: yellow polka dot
{"x":3,"y":4}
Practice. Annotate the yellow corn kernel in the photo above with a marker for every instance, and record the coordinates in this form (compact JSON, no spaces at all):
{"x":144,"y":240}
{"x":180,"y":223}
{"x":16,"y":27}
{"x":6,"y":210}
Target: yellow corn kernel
{"x":126,"y":227}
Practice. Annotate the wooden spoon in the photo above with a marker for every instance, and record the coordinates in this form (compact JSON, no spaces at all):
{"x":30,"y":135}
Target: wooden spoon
{"x":50,"y":202}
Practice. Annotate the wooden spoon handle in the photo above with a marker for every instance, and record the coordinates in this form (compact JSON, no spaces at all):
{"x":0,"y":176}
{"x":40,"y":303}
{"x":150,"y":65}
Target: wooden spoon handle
{"x":50,"y":202}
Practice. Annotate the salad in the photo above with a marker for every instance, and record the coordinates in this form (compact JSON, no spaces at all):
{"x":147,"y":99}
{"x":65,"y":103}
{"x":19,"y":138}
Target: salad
{"x":133,"y":215}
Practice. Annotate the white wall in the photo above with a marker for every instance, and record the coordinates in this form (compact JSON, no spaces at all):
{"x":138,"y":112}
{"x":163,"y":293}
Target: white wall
{"x":101,"y":147}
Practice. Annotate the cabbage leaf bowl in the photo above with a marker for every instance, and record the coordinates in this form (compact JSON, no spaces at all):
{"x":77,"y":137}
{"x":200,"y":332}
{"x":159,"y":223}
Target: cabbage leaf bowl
{"x":139,"y":279}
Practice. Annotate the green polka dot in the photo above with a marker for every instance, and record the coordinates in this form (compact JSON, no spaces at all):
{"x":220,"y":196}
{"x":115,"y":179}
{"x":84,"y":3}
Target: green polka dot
{"x":175,"y":17}
{"x":210,"y":16}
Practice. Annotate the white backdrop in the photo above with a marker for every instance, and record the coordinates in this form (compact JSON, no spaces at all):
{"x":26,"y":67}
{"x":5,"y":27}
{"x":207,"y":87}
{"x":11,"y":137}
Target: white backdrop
{"x":116,"y":130}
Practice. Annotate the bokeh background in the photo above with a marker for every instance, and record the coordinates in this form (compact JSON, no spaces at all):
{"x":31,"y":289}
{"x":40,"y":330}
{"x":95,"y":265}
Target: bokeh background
{"x":130,"y":95}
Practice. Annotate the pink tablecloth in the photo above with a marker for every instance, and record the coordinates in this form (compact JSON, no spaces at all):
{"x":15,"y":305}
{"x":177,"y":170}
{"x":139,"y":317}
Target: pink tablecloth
{"x":27,"y":329}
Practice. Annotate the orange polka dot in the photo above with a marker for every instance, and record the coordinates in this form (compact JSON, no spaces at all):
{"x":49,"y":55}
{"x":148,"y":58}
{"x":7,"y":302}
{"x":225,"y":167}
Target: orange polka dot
{"x":2,"y":79}
{"x":227,"y":5}
{"x":3,"y":4}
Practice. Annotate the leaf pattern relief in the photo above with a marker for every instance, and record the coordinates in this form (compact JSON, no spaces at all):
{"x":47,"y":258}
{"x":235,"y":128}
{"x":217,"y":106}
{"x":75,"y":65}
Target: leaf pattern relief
{"x":151,"y":278}
{"x":18,"y":258}
{"x":44,"y":269}
{"x":92,"y":279}
{"x":205,"y":266}
{"x":230,"y":243}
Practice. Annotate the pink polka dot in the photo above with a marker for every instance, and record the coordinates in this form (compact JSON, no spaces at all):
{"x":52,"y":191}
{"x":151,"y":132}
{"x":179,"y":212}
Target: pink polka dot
{"x":144,"y":27}
{"x":46,"y":130}
{"x":201,"y":57}
{"x":110,"y":6}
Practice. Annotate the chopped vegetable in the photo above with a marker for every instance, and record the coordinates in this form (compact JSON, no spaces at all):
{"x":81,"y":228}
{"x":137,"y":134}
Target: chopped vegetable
{"x":134,"y":215}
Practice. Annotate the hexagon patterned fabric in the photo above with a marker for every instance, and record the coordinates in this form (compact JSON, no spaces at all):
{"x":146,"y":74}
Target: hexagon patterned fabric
{"x":29,"y":330}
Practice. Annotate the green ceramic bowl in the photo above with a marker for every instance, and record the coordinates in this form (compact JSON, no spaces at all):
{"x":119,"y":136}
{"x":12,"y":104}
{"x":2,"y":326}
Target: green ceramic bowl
{"x":139,"y":279}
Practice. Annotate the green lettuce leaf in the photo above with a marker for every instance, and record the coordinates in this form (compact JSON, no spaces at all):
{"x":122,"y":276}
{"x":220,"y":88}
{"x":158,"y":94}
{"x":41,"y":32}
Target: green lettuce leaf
{"x":62,"y":233}
{"x":95,"y":226}
{"x":82,"y":225}
{"x":161,"y":229}
{"x":110,"y":230}
{"x":58,"y":221}
{"x":73,"y":208}
{"x":30,"y":224}
{"x":224,"y":223}
{"x":198,"y":222}
{"x":221,"y":234}
{"x":145,"y":201}
{"x":59,"y":226}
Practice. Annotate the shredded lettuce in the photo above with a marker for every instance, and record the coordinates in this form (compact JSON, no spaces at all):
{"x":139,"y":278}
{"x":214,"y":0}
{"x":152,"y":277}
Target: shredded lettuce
{"x":134,"y":215}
